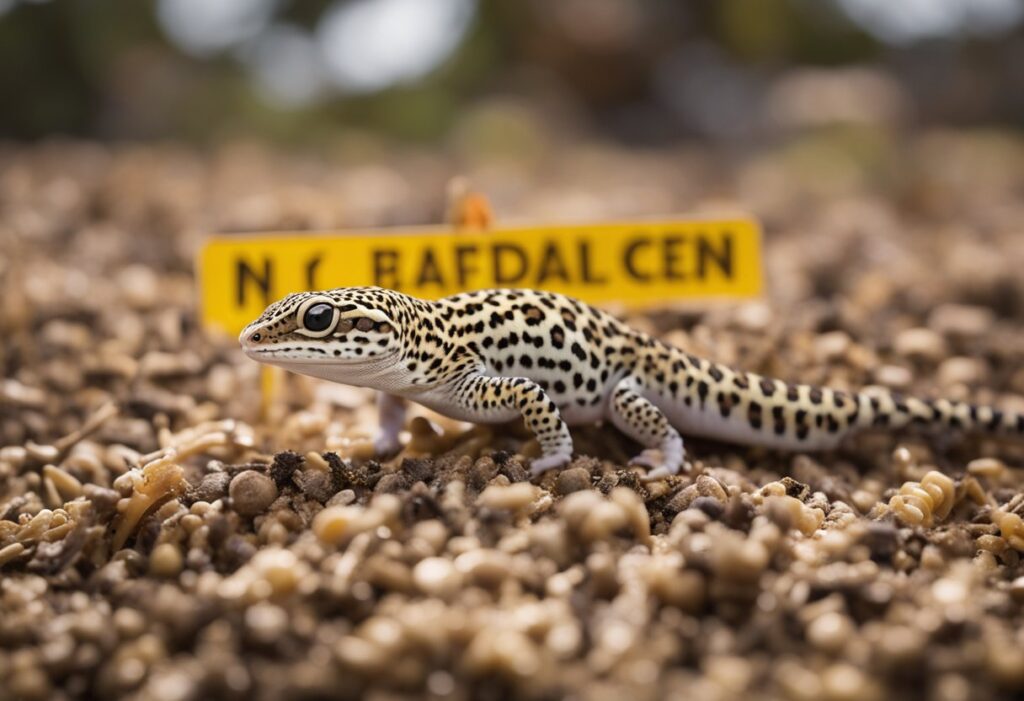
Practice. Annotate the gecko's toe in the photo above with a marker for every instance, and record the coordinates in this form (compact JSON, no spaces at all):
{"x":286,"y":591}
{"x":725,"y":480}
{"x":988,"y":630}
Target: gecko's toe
{"x":658,"y":473}
{"x":648,"y":459}
{"x":549,"y":462}
{"x":659,"y":463}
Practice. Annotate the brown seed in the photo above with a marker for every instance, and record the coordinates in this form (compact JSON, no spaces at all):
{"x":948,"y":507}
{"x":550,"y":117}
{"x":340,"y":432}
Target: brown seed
{"x":165,"y":560}
{"x":252,"y":492}
{"x":332,"y":524}
{"x":572,"y":480}
{"x":514,"y":497}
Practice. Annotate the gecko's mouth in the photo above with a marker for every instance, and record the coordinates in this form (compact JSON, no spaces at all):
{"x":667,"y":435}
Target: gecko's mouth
{"x":281,"y":356}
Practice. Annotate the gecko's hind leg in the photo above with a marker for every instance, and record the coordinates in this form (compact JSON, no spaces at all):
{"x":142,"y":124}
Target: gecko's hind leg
{"x":643,"y":422}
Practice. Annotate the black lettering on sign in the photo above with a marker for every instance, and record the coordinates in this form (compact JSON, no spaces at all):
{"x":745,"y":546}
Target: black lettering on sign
{"x":586,"y":271}
{"x":673,"y":257}
{"x":463,"y":267}
{"x":244,"y":273}
{"x":501,"y":254}
{"x":430,"y":273}
{"x":721,"y":258}
{"x":385,"y":268}
{"x":311,"y":267}
{"x":551,"y":265}
{"x":629,"y":259}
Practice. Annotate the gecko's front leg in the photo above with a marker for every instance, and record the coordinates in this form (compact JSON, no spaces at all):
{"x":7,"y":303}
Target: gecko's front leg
{"x":391,"y":420}
{"x":489,"y":399}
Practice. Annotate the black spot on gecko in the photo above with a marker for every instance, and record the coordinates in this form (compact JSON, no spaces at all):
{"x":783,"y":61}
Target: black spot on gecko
{"x":997,"y":419}
{"x":767,"y":387}
{"x":754,"y":415}
{"x":779,"y":419}
{"x":900,"y":403}
{"x":716,"y":373}
{"x":557,"y":337}
{"x":725,"y":404}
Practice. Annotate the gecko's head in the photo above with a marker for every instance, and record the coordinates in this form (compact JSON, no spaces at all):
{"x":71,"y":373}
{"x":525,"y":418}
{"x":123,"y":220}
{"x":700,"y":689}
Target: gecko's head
{"x":348,"y":325}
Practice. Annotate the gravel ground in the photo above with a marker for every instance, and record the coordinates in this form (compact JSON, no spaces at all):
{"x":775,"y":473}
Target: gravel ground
{"x":167,"y":534}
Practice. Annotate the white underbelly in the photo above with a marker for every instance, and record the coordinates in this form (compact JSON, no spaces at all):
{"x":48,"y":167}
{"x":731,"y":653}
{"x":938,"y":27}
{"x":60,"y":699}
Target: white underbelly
{"x":574,"y":415}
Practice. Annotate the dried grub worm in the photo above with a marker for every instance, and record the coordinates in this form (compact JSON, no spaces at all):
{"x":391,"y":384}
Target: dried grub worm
{"x":495,"y":355}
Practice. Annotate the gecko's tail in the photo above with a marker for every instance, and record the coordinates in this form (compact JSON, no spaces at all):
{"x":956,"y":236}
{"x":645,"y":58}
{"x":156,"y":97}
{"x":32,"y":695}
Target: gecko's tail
{"x":881,"y":407}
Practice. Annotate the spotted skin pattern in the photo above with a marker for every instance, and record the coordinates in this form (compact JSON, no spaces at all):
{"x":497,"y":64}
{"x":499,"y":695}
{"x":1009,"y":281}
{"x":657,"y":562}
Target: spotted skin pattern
{"x":498,"y":355}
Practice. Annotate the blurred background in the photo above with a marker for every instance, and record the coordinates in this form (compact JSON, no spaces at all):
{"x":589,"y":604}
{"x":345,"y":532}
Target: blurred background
{"x":643,"y":72}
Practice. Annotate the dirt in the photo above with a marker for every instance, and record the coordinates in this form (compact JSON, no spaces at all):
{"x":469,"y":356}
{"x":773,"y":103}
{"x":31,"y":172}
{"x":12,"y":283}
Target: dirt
{"x":167,"y":532}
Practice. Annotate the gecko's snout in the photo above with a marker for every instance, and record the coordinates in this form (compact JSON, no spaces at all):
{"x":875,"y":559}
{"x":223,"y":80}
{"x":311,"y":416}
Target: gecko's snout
{"x":250,"y":337}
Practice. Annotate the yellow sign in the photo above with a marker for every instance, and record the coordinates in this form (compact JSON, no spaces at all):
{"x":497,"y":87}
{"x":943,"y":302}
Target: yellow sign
{"x":637,"y":263}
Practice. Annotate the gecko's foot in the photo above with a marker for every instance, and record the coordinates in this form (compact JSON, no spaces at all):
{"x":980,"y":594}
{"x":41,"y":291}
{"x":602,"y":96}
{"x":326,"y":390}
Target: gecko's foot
{"x":660,"y":473}
{"x":549,"y":462}
{"x":660,"y":462}
{"x":386,"y":444}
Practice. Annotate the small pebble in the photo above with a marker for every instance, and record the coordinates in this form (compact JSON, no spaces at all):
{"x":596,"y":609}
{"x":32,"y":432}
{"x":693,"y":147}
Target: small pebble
{"x":830,"y":631}
{"x":961,"y":371}
{"x":436,"y":576}
{"x":332,"y":524}
{"x":920,"y":343}
{"x":961,"y":320}
{"x":572,"y":479}
{"x":165,"y":560}
{"x":252,"y":492}
{"x":514,"y":497}
{"x":1017,"y":589}
{"x":894,"y":376}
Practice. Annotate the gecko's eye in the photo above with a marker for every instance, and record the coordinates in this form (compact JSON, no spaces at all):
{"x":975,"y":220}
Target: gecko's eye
{"x":319,"y":318}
